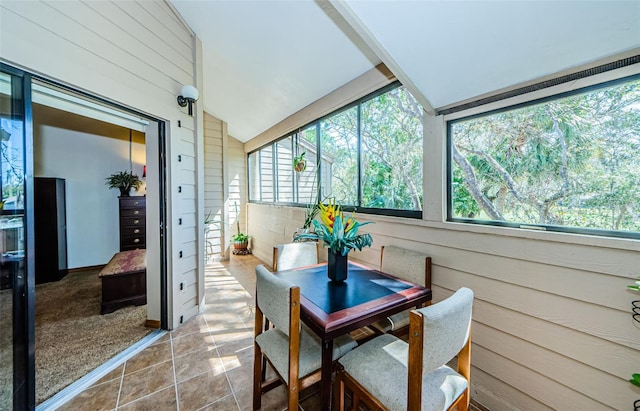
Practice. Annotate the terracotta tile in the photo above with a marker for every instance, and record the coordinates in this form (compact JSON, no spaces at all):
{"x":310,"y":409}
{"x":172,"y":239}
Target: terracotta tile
{"x":152,"y":355}
{"x":146,"y":381}
{"x":240,"y":378}
{"x":112,"y":375}
{"x":239,"y":358}
{"x":202,"y":390}
{"x":194,"y":325}
{"x":165,"y":337}
{"x":164,"y":400}
{"x":197,"y":362}
{"x":99,"y":397}
{"x":232,"y":341}
{"x":192,"y":342}
{"x":227,"y":403}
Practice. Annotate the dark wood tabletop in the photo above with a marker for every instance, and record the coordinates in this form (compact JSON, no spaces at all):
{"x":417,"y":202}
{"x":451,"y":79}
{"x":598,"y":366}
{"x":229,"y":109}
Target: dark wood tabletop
{"x":332,"y":309}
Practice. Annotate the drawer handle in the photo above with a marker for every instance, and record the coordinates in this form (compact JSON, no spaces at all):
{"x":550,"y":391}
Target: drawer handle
{"x":137,"y":240}
{"x":136,"y":212}
{"x":136,"y":202}
{"x":136,"y":231}
{"x":136,"y":221}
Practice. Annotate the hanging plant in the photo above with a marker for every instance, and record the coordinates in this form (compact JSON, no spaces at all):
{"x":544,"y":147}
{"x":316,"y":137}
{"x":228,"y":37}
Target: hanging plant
{"x":300,"y":163}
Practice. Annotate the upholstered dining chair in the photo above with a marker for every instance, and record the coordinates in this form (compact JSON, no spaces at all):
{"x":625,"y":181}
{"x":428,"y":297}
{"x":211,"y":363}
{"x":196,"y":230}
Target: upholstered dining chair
{"x":294,"y":255}
{"x":293,"y":350}
{"x":408,"y":265}
{"x":386,"y":373}
{"x":288,"y":256}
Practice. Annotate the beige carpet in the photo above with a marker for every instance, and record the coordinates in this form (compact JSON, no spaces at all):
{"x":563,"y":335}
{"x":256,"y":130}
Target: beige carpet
{"x":72,"y":338}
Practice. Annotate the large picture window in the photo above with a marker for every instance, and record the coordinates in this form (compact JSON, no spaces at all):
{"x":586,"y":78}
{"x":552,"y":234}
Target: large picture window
{"x":367,"y":155}
{"x":567,"y":163}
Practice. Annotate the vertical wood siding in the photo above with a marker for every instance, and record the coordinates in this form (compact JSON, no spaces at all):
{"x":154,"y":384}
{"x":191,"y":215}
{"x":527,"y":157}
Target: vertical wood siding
{"x":136,"y":53}
{"x":213,"y":187}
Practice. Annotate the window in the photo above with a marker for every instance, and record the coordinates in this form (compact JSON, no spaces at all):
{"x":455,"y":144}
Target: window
{"x":368,"y":155}
{"x":566,"y":163}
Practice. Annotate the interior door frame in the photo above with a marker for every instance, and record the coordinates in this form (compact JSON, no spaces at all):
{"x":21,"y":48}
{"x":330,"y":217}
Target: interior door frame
{"x":162,"y":176}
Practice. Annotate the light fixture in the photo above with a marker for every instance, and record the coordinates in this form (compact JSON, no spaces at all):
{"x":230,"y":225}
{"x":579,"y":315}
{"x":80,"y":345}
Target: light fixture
{"x":188,"y":95}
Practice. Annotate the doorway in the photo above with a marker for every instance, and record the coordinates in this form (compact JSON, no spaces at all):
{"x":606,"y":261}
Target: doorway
{"x":60,"y":116}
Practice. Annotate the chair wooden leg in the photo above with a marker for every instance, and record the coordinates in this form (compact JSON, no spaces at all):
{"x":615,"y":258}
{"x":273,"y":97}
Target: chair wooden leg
{"x":257,"y":360}
{"x":338,"y":391}
{"x":257,"y":377}
{"x":293,"y":396}
{"x":267,"y":325}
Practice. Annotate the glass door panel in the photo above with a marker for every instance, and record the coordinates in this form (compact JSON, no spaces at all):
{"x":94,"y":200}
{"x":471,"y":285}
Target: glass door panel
{"x":16,"y":301}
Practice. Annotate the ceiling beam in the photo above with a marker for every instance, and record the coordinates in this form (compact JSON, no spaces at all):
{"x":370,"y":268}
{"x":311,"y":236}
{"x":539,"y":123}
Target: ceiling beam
{"x":356,"y":24}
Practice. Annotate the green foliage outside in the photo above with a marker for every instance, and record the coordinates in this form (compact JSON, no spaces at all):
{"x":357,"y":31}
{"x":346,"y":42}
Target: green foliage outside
{"x":573,"y":161}
{"x":391,"y":152}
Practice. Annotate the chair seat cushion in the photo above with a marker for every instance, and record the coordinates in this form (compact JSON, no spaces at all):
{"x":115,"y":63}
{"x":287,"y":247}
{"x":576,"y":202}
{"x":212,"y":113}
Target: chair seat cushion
{"x":275,"y":345}
{"x":393,"y":322}
{"x":380,"y":366}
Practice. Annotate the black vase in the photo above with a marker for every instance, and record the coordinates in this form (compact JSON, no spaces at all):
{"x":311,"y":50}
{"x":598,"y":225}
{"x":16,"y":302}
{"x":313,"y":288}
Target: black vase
{"x":124,"y":192}
{"x":337,"y":266}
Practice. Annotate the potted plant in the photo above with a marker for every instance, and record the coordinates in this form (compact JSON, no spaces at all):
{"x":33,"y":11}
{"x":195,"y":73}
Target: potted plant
{"x":240,"y":240}
{"x":124,"y":181}
{"x":339,"y":235}
{"x":300,"y":163}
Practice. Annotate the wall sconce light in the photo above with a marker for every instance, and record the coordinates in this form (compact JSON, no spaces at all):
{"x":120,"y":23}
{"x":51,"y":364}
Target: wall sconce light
{"x":188,"y":95}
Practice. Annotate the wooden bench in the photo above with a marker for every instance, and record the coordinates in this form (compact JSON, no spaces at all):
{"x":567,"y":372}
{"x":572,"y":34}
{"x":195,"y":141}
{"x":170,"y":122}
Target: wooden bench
{"x":124,"y":281}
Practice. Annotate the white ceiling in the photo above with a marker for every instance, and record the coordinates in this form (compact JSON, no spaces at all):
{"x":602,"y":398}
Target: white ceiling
{"x":266,"y":59}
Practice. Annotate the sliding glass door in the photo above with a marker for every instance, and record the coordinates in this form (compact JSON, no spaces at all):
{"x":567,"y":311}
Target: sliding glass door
{"x":17,"y":286}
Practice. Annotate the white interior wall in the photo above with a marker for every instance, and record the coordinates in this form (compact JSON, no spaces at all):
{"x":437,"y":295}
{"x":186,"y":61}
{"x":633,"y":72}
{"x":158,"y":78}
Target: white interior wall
{"x":84,"y":160}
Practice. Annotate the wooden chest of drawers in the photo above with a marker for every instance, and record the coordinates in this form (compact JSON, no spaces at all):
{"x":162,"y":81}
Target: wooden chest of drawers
{"x":133,"y":233}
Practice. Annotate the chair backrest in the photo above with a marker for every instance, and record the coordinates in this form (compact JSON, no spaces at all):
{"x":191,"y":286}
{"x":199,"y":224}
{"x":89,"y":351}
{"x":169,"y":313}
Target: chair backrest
{"x":294,"y":255}
{"x":406,"y":264}
{"x":446,"y":327}
{"x":273,"y":297}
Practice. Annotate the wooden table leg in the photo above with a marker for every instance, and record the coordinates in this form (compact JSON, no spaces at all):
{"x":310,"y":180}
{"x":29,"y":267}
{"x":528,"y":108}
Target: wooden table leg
{"x":325,"y":382}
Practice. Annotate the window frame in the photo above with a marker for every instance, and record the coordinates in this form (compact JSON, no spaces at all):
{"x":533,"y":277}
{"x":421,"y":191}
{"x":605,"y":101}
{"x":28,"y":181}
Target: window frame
{"x":414,"y":214}
{"x":510,"y":107}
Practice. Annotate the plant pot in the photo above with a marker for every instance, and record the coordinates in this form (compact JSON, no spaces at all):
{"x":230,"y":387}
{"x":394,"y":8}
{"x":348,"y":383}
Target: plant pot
{"x":300,"y":166}
{"x":124,"y":192}
{"x":337,"y":266}
{"x":240,"y":245}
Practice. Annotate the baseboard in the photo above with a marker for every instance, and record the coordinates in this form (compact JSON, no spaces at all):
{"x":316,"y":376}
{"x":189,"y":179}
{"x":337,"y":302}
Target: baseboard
{"x":91,"y":267}
{"x":152,"y":324}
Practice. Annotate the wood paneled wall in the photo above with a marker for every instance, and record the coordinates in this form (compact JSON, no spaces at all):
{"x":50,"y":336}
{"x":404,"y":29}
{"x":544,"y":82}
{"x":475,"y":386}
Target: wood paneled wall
{"x":214,"y":129}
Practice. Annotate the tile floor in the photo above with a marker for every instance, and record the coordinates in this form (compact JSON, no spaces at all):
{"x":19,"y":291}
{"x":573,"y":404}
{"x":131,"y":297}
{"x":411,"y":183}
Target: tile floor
{"x":206,"y":364}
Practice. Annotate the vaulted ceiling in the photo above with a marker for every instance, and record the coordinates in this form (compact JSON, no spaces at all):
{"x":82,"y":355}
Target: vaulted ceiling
{"x":266,"y":59}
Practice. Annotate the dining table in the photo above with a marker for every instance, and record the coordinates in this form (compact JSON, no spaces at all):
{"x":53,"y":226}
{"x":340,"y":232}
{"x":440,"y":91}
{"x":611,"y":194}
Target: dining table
{"x":334,"y":308}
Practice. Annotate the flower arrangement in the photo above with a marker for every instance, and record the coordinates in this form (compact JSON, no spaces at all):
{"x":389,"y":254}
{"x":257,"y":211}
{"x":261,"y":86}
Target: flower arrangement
{"x":340,"y":235}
